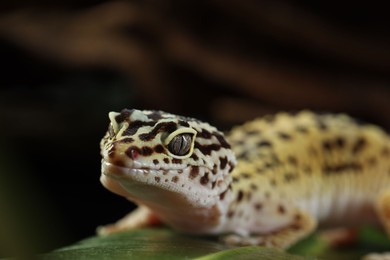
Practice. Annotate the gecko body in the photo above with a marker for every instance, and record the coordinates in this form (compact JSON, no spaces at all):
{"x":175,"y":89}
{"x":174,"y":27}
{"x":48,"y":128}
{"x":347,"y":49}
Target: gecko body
{"x":271,"y":181}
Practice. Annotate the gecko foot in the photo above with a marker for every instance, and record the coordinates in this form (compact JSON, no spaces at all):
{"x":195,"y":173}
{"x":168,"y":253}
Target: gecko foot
{"x":141,"y":217}
{"x":301,"y":225}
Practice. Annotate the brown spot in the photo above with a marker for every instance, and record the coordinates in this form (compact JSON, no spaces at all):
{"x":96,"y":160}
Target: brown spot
{"x":258,"y":206}
{"x":159,"y":148}
{"x":281,"y":209}
{"x":340,"y":142}
{"x":290,"y":177}
{"x":223,"y":162}
{"x":385,"y":152}
{"x":134,"y":126}
{"x":302,"y":129}
{"x":155,"y":161}
{"x":176,"y":160}
{"x":239,"y":142}
{"x":272,"y":182}
{"x":124,"y":114}
{"x":268,"y":165}
{"x":243,"y":155}
{"x":327,"y":145}
{"x":166,"y":180}
{"x":264,"y":143}
{"x":240,"y":195}
{"x":359,"y":145}
{"x":215,"y":169}
{"x":157,"y":179}
{"x":175,"y":179}
{"x":221,"y":139}
{"x":160,"y":127}
{"x":222,"y":195}
{"x":146,"y":151}
{"x":166,"y":160}
{"x":213,"y":184}
{"x":249,"y":196}
{"x":297,"y":217}
{"x":204,"y":179}
{"x":127,"y":140}
{"x":339,"y":168}
{"x":253,"y":186}
{"x":194,"y":172}
{"x":179,"y":171}
{"x":284,"y":136}
{"x":292,"y":160}
{"x":260,"y":170}
{"x":230,"y":214}
{"x":245,"y":175}
{"x":155,"y":115}
{"x":194,"y":156}
{"x":231,"y":166}
{"x":296,"y":226}
{"x":207,"y":149}
{"x":184,"y":123}
{"x":235,"y":179}
{"x":165,"y":172}
{"x":252,"y":132}
{"x":204,"y":134}
{"x":321,"y":124}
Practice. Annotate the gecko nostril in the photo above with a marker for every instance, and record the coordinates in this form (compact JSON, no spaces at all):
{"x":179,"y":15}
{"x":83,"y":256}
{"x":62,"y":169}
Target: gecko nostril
{"x":133,"y":152}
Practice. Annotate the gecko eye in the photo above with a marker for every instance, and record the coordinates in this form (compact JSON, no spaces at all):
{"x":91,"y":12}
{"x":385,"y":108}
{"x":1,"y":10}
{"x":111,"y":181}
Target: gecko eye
{"x":180,"y":145}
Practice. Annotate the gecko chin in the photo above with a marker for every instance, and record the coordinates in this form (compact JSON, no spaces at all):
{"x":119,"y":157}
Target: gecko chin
{"x":158,"y":184}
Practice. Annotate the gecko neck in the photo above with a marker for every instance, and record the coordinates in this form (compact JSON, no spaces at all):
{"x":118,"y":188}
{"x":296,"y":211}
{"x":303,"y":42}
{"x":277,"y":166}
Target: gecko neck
{"x":184,"y":216}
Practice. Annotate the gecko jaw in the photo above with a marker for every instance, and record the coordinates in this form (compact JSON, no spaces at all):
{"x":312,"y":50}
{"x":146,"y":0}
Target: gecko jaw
{"x":113,"y":170}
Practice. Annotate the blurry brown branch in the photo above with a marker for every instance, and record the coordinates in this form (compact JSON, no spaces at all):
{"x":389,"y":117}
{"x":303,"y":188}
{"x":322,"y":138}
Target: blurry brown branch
{"x":238,"y":46}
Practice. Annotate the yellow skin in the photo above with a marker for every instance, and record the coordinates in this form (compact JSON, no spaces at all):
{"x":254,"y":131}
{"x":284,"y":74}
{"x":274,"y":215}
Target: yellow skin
{"x":279,"y":179}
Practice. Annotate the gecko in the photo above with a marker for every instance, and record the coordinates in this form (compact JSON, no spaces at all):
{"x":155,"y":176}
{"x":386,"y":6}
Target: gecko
{"x":271,"y":181}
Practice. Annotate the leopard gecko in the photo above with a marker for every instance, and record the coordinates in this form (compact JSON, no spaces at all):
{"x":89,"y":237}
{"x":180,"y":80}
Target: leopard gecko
{"x":271,"y":181}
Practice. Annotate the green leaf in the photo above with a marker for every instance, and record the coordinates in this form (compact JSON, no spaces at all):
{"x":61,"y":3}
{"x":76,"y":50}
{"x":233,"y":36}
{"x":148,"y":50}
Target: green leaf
{"x":160,"y":243}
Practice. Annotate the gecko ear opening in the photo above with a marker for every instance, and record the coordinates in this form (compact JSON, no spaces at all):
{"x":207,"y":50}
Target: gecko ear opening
{"x":180,"y":143}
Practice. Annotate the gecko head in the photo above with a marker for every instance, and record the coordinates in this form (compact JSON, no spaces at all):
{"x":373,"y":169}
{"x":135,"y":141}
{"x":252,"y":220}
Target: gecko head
{"x":150,"y":154}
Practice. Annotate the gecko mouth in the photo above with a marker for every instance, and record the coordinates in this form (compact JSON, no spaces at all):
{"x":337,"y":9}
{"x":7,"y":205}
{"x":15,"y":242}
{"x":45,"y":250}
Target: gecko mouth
{"x":114,"y":170}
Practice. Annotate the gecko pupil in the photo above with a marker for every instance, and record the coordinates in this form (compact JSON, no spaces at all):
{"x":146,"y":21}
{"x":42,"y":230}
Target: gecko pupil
{"x":180,"y":144}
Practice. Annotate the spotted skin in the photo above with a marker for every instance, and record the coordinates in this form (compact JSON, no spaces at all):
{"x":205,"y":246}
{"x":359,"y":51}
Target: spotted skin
{"x":271,"y":181}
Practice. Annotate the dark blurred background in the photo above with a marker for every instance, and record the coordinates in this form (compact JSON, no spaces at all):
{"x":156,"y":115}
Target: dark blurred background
{"x":64,"y":66}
